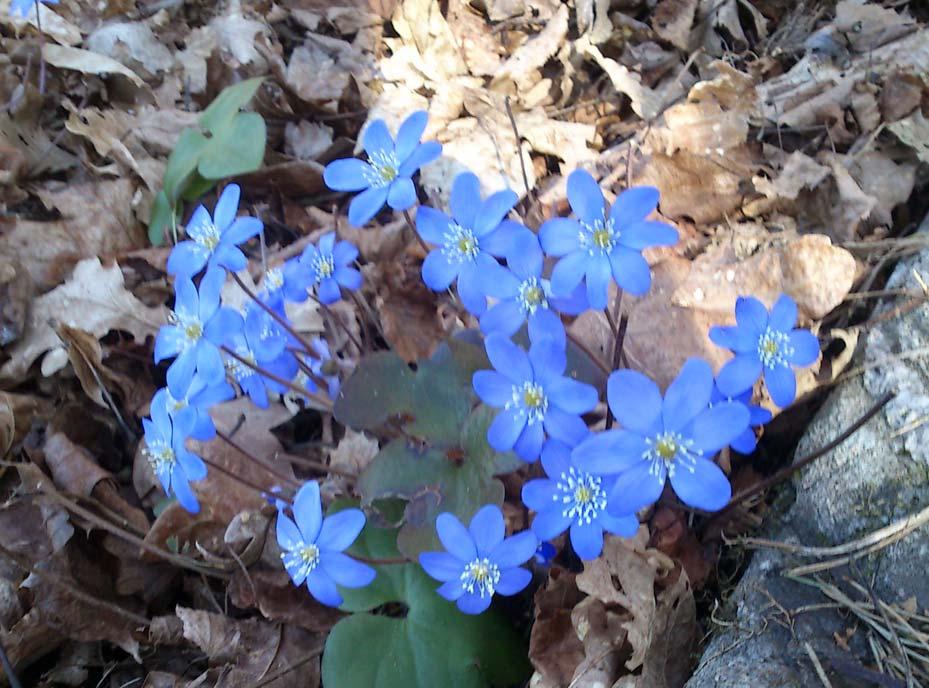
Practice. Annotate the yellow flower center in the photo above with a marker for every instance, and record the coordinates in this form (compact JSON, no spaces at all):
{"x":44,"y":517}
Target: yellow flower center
{"x":666,"y":448}
{"x":602,"y":238}
{"x":193,"y":331}
{"x":533,"y":397}
{"x":388,"y":173}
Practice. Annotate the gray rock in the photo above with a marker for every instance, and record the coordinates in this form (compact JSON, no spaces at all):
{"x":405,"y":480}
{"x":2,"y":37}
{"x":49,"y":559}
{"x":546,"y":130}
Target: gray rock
{"x":879,"y":475}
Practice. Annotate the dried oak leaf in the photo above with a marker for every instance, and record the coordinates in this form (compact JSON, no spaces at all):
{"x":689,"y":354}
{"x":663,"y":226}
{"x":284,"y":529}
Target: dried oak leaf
{"x":278,"y":599}
{"x":407,"y":310}
{"x":248,"y":650}
{"x":672,"y":20}
{"x":94,"y":299}
{"x":554,"y":648}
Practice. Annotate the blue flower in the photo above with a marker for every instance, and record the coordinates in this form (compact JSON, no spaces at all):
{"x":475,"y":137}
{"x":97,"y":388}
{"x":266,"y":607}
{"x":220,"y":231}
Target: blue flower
{"x":22,"y":7}
{"x":765,"y":343}
{"x":199,"y":326}
{"x":535,"y":396}
{"x":480,"y":560}
{"x":573,"y":498}
{"x":758,"y":416}
{"x":544,"y":553}
{"x":601,"y":245}
{"x":164,"y":448}
{"x":312,"y":548}
{"x":673,"y":438}
{"x":325,"y":367}
{"x":214,"y":240}
{"x":385,"y":178}
{"x":325,"y":269}
{"x":468,"y":240}
{"x":196,"y":401}
{"x":524,"y":294}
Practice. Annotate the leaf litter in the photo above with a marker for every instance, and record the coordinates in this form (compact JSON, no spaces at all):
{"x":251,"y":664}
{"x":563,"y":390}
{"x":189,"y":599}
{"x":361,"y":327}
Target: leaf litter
{"x":789,"y":146}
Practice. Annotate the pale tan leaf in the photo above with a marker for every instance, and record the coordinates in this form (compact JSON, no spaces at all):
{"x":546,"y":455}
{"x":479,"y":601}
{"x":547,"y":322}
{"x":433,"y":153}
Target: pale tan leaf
{"x":87,"y":62}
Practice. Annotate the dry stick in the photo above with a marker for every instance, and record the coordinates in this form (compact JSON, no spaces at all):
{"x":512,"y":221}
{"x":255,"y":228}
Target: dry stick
{"x":785,"y":473}
{"x":619,"y":336}
{"x":412,"y":227}
{"x":251,"y":457}
{"x":590,"y":353}
{"x":309,"y":657}
{"x":320,"y":466}
{"x":519,"y":147}
{"x":344,"y":326}
{"x":73,"y":590}
{"x":820,"y":672}
{"x":277,"y":378}
{"x":270,"y":311}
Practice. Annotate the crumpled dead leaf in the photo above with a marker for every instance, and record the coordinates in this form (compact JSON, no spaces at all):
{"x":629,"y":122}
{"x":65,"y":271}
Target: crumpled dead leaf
{"x":87,"y":62}
{"x":520,"y":72}
{"x":672,"y":20}
{"x":554,"y":648}
{"x":94,"y":299}
{"x":133,"y":44}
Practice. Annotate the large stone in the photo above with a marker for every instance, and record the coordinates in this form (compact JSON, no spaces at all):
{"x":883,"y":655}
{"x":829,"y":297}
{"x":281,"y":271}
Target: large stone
{"x":879,"y":475}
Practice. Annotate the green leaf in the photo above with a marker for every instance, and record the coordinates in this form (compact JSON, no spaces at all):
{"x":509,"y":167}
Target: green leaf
{"x":380,"y":387}
{"x":432,"y":645}
{"x":228,"y":103}
{"x":196,"y":187}
{"x":459,"y":480}
{"x":182,"y":162}
{"x":162,"y":213}
{"x":237,"y":147}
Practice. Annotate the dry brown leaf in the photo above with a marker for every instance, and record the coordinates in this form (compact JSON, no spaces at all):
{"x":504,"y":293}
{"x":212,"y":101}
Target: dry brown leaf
{"x":672,"y":20}
{"x":52,"y":24}
{"x":646,"y":103}
{"x":16,"y":414}
{"x":86,"y":357}
{"x":703,"y":128}
{"x":799,"y":172}
{"x":521,"y":71}
{"x":39,"y":152}
{"x":87,"y":62}
{"x":94,"y":299}
{"x":278,"y":599}
{"x":554,"y":648}
{"x":480,"y":47}
{"x":133,"y":44}
{"x":15,"y":299}
{"x":315,"y":76}
{"x":914,"y":132}
{"x":307,"y":140}
{"x":603,"y":632}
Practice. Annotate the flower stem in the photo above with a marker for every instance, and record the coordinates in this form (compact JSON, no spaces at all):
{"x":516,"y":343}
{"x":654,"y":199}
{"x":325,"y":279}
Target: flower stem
{"x":263,"y":491}
{"x":254,"y":459}
{"x":326,"y":404}
{"x":604,"y":368}
{"x":618,"y":324}
{"x":412,"y":227}
{"x":270,"y":311}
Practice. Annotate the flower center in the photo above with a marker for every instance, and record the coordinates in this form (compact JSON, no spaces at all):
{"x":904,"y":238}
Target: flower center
{"x":309,"y":554}
{"x":600,"y":237}
{"x":531,"y":397}
{"x":532,"y":295}
{"x":461,"y":246}
{"x":189,"y":324}
{"x":206,"y":235}
{"x":324,"y":266}
{"x":240,"y":371}
{"x":582,"y":497}
{"x":774,"y":348}
{"x":384,"y":168}
{"x":274,"y":279}
{"x":481,"y":574}
{"x":174,"y":405}
{"x":160,"y":456}
{"x":668,"y":450}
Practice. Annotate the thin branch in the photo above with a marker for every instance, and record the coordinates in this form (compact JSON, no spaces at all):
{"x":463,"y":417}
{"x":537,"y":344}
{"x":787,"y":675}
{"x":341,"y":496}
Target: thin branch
{"x":326,"y":404}
{"x":412,"y":227}
{"x":270,"y":311}
{"x":254,"y":459}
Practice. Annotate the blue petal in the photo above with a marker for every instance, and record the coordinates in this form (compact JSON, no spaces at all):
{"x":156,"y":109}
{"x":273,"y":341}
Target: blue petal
{"x":348,"y":174}
{"x":507,"y":239}
{"x":229,"y":257}
{"x":184,"y":494}
{"x":688,"y":395}
{"x":377,"y":138}
{"x":740,"y":340}
{"x":328,"y":291}
{"x":289,"y":537}
{"x":326,"y":243}
{"x":523,"y":254}
{"x":186,"y":259}
{"x":366,"y":205}
{"x":751,"y":313}
{"x":181,"y":373}
{"x":226,"y":207}
{"x":558,"y":236}
{"x":470,"y":289}
{"x":473,"y":603}
{"x":507,"y":358}
{"x":630,"y":270}
{"x":718,"y":426}
{"x":169,"y":342}
{"x":598,"y":281}
{"x":322,"y":587}
{"x":550,"y":523}
{"x":423,"y":154}
{"x":745,"y":443}
{"x":346,"y":571}
{"x":806,"y":348}
{"x":644,"y":415}
{"x":548,"y":358}
{"x":545,"y":324}
{"x":438,"y":272}
{"x":505,"y":317}
{"x":705,"y":487}
{"x":613,"y":451}
{"x":565,"y":427}
{"x":210,"y":363}
{"x":308,"y":510}
{"x":634,"y":205}
{"x":529,"y":443}
{"x":465,"y":199}
{"x":781,"y":384}
{"x":349,"y":278}
{"x":783,"y":314}
{"x":492,"y":388}
{"x":344,"y":253}
{"x":739,"y":374}
{"x":635,"y":489}
{"x":540,"y":494}
{"x":159,"y":410}
{"x":624,"y":526}
{"x":432,"y":224}
{"x":186,"y":297}
{"x":451,"y":590}
{"x":556,"y":458}
{"x":211,"y":287}
{"x":409,"y":133}
{"x":585,"y":197}
{"x":402,"y":194}
{"x":568,"y":273}
{"x":340,"y":530}
{"x":648,"y":233}
{"x":455,"y":538}
{"x":506,"y":429}
{"x":440,"y":565}
{"x":571,"y":396}
{"x":587,"y":540}
{"x":487,"y":529}
{"x":194,"y":468}
{"x":493,"y":210}
{"x":223,"y":326}
{"x":512,"y":580}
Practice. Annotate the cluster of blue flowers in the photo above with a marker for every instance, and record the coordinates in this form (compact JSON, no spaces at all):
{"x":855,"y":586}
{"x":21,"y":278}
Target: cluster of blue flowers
{"x":595,"y":482}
